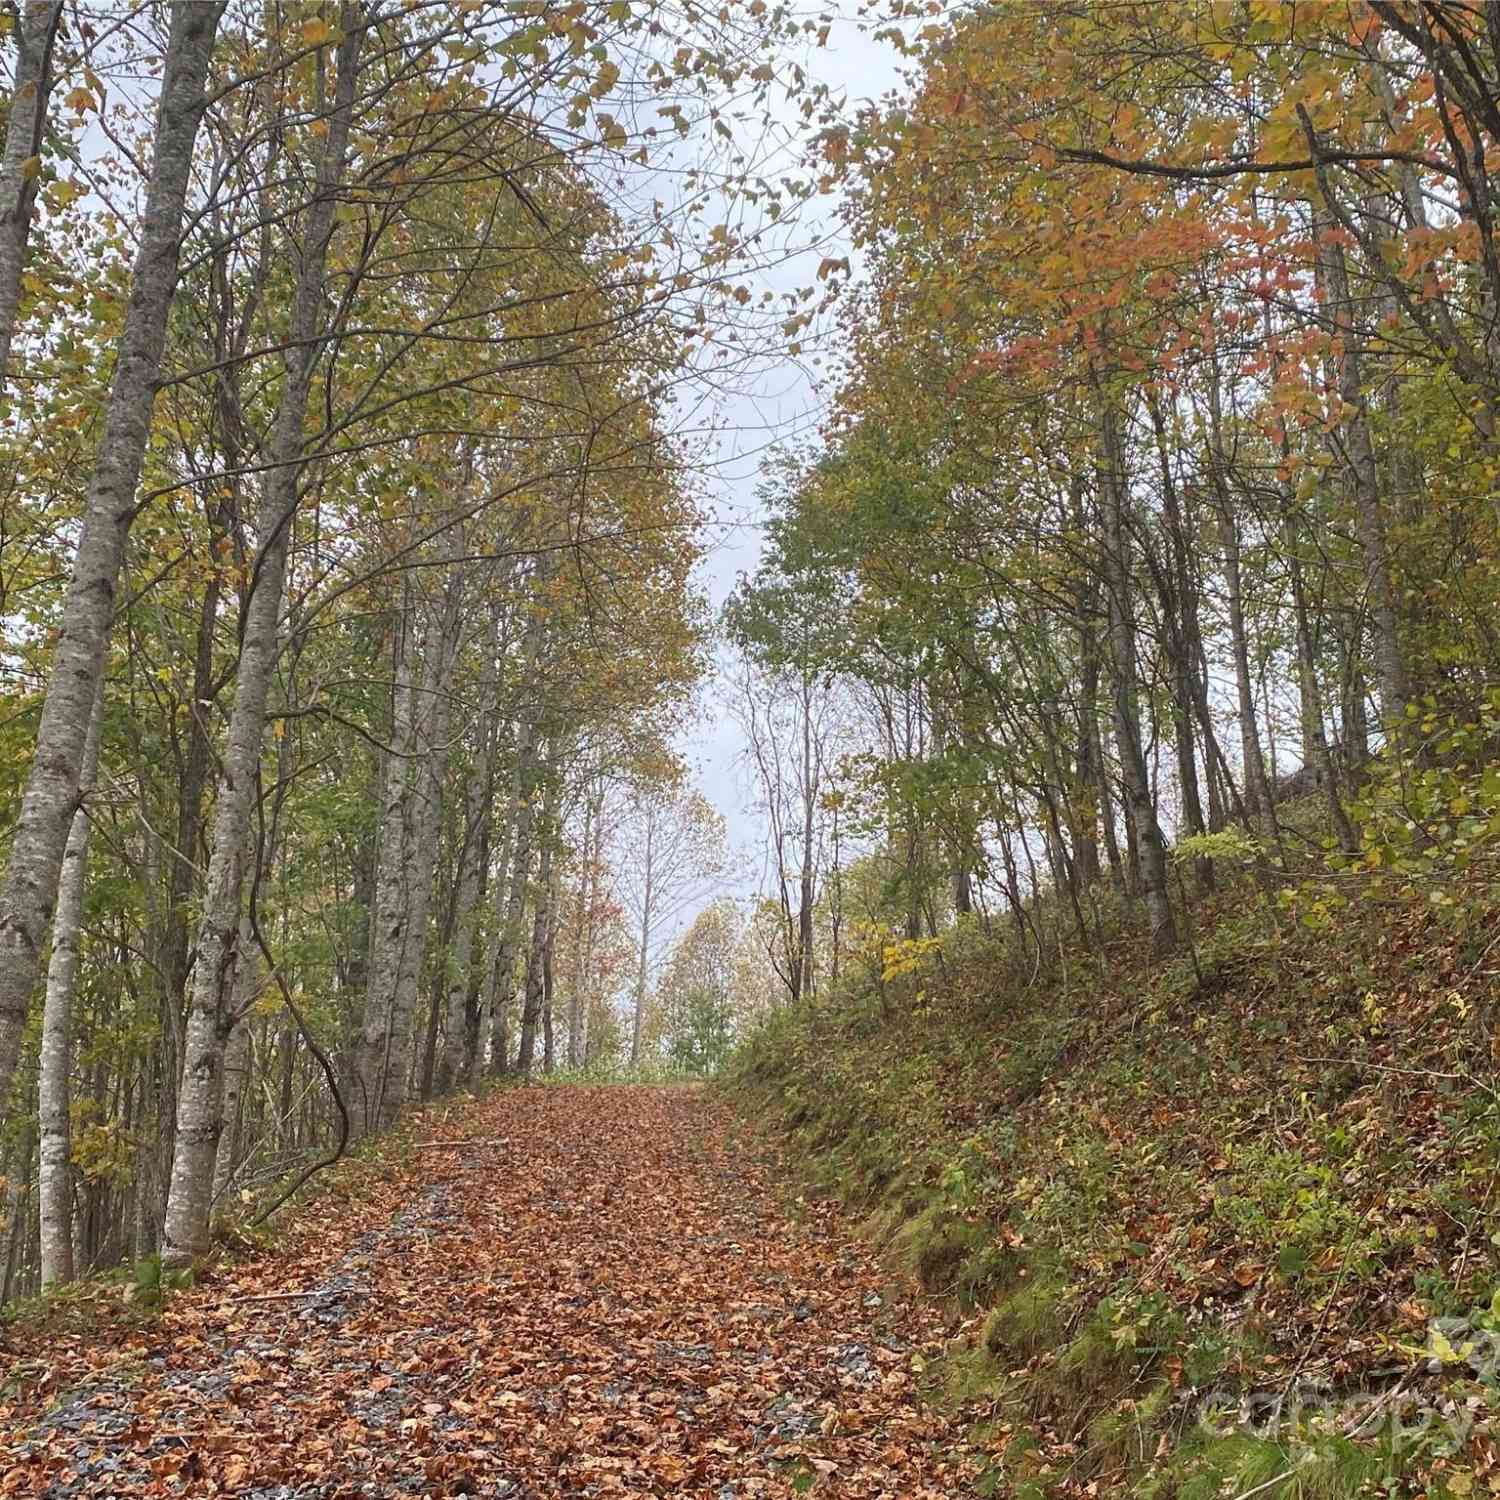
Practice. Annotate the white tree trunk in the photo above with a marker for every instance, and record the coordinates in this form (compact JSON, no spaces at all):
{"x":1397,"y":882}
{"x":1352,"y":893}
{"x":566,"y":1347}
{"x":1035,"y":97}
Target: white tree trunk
{"x":426,"y":827}
{"x":389,"y":901}
{"x":54,"y":1085}
{"x":411,"y":825}
{"x":200,"y":1105}
{"x":247,"y":982}
{"x":35,"y":31}
{"x":515,"y":867}
{"x":579,"y":968}
{"x":648,"y":919}
{"x":50,"y":799}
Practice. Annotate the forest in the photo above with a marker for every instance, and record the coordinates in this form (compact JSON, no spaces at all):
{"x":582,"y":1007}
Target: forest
{"x":349,"y":528}
{"x":1104,"y":899}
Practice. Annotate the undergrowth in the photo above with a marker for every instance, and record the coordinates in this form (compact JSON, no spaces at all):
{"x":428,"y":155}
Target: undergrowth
{"x":1195,"y":1220}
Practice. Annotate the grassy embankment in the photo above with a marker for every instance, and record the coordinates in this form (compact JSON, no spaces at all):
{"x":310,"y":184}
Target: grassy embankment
{"x":1153,"y":1191}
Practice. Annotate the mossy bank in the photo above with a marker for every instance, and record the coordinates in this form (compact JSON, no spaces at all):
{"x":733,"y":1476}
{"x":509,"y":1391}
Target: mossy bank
{"x":1223,"y":1225}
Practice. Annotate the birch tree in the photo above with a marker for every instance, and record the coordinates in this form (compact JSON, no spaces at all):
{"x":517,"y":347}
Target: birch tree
{"x":671,"y":855}
{"x":210,"y":1016}
{"x":28,"y":890}
{"x":35,"y":32}
{"x":54,"y":1084}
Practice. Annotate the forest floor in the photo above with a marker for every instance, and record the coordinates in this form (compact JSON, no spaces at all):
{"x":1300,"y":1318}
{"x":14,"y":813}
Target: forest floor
{"x":605,"y":1291}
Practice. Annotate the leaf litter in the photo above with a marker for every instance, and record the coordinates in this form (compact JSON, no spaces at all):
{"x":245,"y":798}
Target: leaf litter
{"x":597,"y":1294}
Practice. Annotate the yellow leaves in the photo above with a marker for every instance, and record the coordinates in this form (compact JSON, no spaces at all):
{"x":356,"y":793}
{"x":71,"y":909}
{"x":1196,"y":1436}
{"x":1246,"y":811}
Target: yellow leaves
{"x":1282,"y":138}
{"x":611,"y":131}
{"x":604,"y":80}
{"x":80,"y":100}
{"x":316,"y":32}
{"x":906,"y":956}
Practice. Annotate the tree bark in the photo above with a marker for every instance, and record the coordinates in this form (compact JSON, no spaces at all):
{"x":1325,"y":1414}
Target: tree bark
{"x":50,"y":799}
{"x":408,"y":854}
{"x":811,"y":776}
{"x":54,"y":1083}
{"x":35,"y":31}
{"x":426,"y":827}
{"x":541,"y":925}
{"x":1314,"y":736}
{"x":643,"y":958}
{"x":1257,"y":783}
{"x":1151,"y":848}
{"x":456,"y":1064}
{"x":211,"y":1015}
{"x":1177,"y":588}
{"x":510,"y":895}
{"x":514,"y":865}
{"x":247,"y":984}
{"x":390,"y":906}
{"x":1356,"y":451}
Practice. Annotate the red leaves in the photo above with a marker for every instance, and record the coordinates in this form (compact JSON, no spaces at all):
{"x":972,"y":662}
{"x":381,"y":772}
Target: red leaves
{"x":614,"y":1305}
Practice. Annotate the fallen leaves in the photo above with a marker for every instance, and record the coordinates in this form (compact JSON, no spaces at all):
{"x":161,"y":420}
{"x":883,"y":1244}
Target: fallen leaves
{"x":614,"y":1305}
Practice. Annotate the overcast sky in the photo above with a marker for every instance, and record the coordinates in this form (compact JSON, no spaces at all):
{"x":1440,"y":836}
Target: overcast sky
{"x":779,"y":404}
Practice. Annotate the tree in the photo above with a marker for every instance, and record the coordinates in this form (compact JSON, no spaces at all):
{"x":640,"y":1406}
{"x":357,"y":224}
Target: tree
{"x":671,"y":853}
{"x":35,"y":31}
{"x":28,"y":891}
{"x":696,"y":998}
{"x":394,"y":353}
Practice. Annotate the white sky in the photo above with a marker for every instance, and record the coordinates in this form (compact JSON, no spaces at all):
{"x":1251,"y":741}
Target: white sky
{"x":780,"y":404}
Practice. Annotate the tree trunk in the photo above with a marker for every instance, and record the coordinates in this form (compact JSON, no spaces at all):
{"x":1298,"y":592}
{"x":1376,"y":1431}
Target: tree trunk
{"x":455,"y":1066}
{"x":211,"y":1015}
{"x":1314,"y":736}
{"x":54,"y":1083}
{"x":643,"y":958}
{"x":35,"y":30}
{"x":1090,"y":805}
{"x":1356,"y":450}
{"x":807,"y":882}
{"x":390,"y":907}
{"x":510,"y":895}
{"x":247,"y":982}
{"x":1150,"y":845}
{"x":50,"y":799}
{"x":1177,"y":588}
{"x":584,"y":915}
{"x":1257,"y":783}
{"x":539,"y":957}
{"x":421,"y":817}
{"x":549,"y":980}
{"x":541,"y":926}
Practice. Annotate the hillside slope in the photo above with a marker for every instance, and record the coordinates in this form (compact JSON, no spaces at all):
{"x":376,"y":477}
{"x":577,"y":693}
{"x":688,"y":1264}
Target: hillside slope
{"x":1195,"y":1221}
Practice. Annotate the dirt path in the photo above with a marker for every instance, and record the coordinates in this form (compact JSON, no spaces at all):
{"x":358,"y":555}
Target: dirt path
{"x":611,"y":1302}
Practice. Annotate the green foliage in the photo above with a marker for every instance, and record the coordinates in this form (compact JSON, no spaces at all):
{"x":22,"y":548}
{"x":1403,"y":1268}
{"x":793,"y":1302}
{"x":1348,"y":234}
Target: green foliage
{"x":1152,"y":1188}
{"x":1429,"y":811}
{"x":151,"y":1283}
